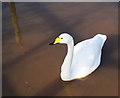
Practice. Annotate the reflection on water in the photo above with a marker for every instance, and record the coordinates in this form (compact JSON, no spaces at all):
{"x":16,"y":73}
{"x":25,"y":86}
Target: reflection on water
{"x":15,"y":24}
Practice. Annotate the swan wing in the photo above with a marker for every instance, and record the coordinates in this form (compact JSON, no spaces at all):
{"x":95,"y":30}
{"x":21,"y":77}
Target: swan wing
{"x":86,"y":57}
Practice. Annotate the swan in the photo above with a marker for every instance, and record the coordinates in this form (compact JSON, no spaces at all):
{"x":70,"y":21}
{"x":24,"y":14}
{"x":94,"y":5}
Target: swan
{"x":81,"y":59}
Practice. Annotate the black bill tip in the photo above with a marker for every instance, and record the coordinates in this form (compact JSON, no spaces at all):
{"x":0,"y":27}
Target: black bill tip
{"x":51,"y":43}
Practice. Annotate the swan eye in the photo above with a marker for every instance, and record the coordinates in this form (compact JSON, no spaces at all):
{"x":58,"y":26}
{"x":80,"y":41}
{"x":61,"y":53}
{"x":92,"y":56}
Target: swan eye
{"x":61,"y":38}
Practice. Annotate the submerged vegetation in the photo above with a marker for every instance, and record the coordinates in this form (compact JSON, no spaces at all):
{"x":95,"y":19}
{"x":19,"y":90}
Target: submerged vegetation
{"x":15,"y":24}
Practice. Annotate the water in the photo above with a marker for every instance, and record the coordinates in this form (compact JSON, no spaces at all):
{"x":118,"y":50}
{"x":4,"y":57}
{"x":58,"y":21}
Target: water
{"x":35,"y":69}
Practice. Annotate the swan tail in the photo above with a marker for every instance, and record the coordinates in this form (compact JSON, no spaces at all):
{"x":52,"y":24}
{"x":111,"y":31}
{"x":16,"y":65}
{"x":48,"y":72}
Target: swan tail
{"x":103,"y":37}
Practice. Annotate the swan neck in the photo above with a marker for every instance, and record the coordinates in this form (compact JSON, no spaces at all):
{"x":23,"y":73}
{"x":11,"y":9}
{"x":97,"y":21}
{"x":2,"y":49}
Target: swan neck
{"x":70,"y":49}
{"x":66,"y":67}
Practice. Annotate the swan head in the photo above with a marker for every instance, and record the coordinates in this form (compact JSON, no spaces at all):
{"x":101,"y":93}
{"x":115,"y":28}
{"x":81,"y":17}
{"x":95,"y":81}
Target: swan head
{"x":64,"y":38}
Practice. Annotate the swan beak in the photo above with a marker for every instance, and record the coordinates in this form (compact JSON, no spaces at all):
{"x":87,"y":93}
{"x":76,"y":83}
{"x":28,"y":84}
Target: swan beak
{"x":57,"y":40}
{"x":52,"y":43}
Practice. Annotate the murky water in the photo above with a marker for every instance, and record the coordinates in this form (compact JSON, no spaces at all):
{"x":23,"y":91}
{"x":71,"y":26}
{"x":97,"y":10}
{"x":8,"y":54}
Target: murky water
{"x":35,"y":69}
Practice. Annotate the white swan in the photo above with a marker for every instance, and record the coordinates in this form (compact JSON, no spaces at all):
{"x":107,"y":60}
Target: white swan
{"x":81,"y":59}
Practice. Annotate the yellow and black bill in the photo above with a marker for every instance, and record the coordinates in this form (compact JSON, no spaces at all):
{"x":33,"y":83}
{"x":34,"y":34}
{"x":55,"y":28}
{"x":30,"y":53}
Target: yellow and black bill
{"x":57,"y":41}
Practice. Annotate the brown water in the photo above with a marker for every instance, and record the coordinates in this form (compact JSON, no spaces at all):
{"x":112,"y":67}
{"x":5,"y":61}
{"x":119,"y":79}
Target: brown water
{"x":35,"y":69}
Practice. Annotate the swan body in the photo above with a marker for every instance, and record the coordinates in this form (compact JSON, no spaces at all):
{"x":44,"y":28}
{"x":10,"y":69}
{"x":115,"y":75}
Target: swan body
{"x":81,"y":59}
